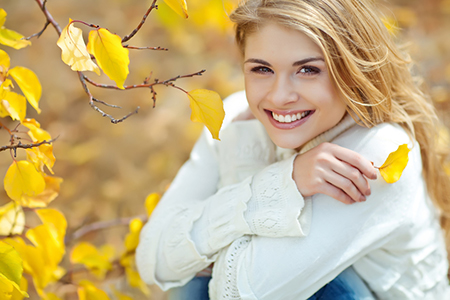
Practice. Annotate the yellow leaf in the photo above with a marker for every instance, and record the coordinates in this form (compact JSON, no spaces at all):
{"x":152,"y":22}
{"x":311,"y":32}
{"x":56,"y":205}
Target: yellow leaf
{"x":29,"y":84}
{"x":18,"y":294}
{"x":4,"y":61}
{"x":207,"y":108}
{"x":111,"y":56}
{"x":42,"y":155}
{"x":120,"y":296}
{"x":51,"y":296}
{"x":151,"y":201}
{"x":6,"y":288}
{"x":22,"y":179}
{"x":9,"y":37}
{"x":2,"y":17}
{"x":56,"y":220}
{"x":36,"y":133}
{"x":12,"y":219}
{"x":94,"y":260}
{"x":88,"y":291}
{"x":179,"y":6}
{"x":134,"y":280}
{"x":15,"y":105}
{"x":74,"y":52}
{"x":394,"y":165}
{"x":132,"y":238}
{"x":11,"y":266}
{"x":51,"y":191}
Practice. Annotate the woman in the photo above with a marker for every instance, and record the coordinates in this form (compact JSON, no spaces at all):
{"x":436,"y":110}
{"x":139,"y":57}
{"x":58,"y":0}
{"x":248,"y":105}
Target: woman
{"x":331,"y":94}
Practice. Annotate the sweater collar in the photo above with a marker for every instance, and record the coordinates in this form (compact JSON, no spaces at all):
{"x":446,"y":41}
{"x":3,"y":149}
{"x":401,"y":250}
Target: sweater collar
{"x":327,"y":136}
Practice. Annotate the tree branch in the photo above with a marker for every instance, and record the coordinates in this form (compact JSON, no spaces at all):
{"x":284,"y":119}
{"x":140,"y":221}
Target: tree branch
{"x":48,"y":16}
{"x":26,"y":146}
{"x":145,"y":48}
{"x":83,"y":78}
{"x":133,"y":33}
{"x":101,"y":225}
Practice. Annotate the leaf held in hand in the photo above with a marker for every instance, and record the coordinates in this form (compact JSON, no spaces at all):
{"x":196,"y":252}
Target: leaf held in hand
{"x":111,"y":56}
{"x":207,"y":108}
{"x":178,"y":6}
{"x":74,"y":52}
{"x":394,"y":165}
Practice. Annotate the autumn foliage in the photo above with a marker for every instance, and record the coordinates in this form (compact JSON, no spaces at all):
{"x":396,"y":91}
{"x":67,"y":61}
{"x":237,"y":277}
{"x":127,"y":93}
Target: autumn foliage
{"x":38,"y":251}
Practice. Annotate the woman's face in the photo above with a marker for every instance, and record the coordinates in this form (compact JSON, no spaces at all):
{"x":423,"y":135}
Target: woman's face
{"x":288,"y":86}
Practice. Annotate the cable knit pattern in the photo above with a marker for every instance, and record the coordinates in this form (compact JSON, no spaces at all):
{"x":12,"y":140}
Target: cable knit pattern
{"x":276,"y":207}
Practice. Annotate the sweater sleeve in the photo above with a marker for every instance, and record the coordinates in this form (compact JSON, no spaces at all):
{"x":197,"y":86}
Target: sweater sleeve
{"x":257,"y":267}
{"x":195,"y":219}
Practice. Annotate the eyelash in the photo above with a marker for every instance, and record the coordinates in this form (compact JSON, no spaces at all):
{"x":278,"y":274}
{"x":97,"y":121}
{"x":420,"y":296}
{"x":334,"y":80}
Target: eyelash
{"x":311,"y":70}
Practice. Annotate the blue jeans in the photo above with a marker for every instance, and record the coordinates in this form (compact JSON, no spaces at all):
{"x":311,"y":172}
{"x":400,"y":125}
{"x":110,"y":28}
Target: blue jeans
{"x":346,"y":286}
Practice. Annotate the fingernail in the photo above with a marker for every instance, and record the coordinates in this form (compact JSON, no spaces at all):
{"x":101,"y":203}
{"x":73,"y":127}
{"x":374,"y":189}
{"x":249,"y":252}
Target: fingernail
{"x":362,"y":198}
{"x":368,"y":192}
{"x":374,"y":176}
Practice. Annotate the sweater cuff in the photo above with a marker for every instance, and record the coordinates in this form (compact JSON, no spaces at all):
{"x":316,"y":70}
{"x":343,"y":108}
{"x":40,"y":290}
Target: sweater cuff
{"x":277,"y":209}
{"x":222,"y":220}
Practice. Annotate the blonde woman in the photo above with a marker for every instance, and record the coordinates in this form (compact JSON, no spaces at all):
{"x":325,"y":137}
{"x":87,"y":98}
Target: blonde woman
{"x":287,"y":205}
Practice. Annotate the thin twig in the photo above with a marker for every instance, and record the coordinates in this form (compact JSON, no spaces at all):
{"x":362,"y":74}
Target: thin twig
{"x":92,"y":101}
{"x":38,"y":34}
{"x":26,"y":146}
{"x":133,"y":33}
{"x":102,"y":225}
{"x":48,"y":16}
{"x":142,"y":85}
{"x":145,"y":48}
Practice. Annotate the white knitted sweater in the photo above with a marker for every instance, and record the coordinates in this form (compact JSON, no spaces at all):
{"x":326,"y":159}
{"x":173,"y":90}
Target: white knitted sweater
{"x":235,"y":203}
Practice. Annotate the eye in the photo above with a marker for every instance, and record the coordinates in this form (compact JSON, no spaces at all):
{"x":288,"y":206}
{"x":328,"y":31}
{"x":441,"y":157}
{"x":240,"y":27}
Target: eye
{"x":261,"y":70}
{"x":309,"y":70}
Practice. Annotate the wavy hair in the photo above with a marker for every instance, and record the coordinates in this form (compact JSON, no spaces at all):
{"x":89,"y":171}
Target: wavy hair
{"x":368,"y":69}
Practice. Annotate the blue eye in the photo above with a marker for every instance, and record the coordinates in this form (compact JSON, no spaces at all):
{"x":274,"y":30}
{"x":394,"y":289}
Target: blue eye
{"x":309,"y":70}
{"x":261,"y":70}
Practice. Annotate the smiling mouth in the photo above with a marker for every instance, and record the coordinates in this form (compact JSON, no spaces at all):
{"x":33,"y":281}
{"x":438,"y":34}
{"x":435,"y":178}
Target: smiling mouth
{"x":291,"y":117}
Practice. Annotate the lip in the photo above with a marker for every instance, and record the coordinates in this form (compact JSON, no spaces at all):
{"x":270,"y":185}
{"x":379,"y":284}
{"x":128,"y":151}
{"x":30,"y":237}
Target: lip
{"x":286,"y":126}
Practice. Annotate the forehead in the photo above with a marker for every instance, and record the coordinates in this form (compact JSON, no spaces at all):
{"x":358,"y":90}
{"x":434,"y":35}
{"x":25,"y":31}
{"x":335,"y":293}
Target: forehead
{"x":272,"y":39}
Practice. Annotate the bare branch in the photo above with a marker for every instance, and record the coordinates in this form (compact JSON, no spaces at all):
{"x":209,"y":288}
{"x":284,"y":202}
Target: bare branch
{"x":106,"y":104}
{"x":26,"y":146}
{"x":133,"y":33}
{"x":145,"y":48}
{"x":48,"y":16}
{"x":38,"y":34}
{"x":102,"y":225}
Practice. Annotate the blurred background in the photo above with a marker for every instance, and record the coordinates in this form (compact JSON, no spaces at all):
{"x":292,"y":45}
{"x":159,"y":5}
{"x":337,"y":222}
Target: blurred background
{"x":108,"y":169}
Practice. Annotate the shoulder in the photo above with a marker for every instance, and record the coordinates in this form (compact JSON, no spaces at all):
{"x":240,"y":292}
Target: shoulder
{"x":378,"y":142}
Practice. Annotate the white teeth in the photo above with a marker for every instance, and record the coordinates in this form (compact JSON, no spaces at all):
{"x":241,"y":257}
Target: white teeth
{"x":289,"y":118}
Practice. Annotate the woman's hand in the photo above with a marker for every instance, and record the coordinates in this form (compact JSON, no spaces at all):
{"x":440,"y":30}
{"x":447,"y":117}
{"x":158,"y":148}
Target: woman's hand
{"x":334,"y":171}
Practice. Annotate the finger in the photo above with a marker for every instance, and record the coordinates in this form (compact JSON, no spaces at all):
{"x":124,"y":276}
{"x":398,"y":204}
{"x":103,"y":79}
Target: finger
{"x":336,"y":193}
{"x":357,"y":160}
{"x":354,"y":175}
{"x":346,"y":185}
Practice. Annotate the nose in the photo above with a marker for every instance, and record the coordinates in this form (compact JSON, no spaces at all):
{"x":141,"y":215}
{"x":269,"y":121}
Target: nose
{"x":283,"y":91}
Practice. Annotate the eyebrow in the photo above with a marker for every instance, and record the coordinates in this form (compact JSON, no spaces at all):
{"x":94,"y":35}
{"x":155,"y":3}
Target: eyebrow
{"x":295,"y":64}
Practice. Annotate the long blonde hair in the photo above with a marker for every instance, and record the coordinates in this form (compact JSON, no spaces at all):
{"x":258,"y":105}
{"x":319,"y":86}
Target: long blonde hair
{"x":368,"y":69}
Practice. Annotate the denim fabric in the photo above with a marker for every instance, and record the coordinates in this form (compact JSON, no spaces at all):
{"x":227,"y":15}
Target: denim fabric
{"x":196,"y":289}
{"x":346,"y":286}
